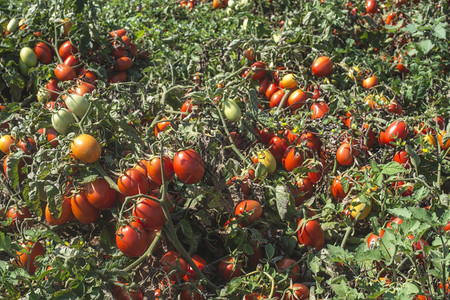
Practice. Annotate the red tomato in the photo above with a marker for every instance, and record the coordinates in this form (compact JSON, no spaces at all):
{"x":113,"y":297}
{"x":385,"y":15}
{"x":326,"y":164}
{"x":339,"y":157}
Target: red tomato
{"x":118,"y":32}
{"x":402,"y":157}
{"x":119,"y":77}
{"x":87,"y":75}
{"x":121,"y":293}
{"x":299,"y":292}
{"x":371,"y":6}
{"x":84,"y":88}
{"x":315,"y":176}
{"x":187,"y":107}
{"x":99,"y":194}
{"x":289,"y":265}
{"x":260,"y":71}
{"x":395,"y":108}
{"x":311,"y":234}
{"x":67,"y":49}
{"x":276,"y":98}
{"x":313,"y":140}
{"x":418,"y":246}
{"x":397,"y":130}
{"x":132,"y":239}
{"x":154,"y":170}
{"x":27,"y":145}
{"x":344,"y":154}
{"x":271,"y":89}
{"x":52,"y":88}
{"x":72,"y":61}
{"x":303,"y":191}
{"x":26,"y":259}
{"x":83,"y":210}
{"x":18,"y":215}
{"x":188,"y":166}
{"x":370,"y":82}
{"x":337,"y":189}
{"x":322,"y":66}
{"x":292,"y":159}
{"x":65,"y":216}
{"x":172,"y":260}
{"x":200,"y":262}
{"x":277,"y":146}
{"x":64,"y":72}
{"x":229,"y":268}
{"x":124,"y":63}
{"x":263,"y":86}
{"x":265,"y":135}
{"x":319,"y":109}
{"x":441,"y":140}
{"x":251,"y":208}
{"x":43,"y":53}
{"x":150,"y":213}
{"x":161,"y":126}
{"x":132,"y":183}
{"x":297,"y":99}
{"x":51,"y":136}
{"x":20,"y":166}
{"x":372,"y":241}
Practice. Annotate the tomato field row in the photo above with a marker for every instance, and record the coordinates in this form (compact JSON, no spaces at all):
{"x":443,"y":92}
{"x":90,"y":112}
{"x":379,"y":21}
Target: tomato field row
{"x":225,"y":149}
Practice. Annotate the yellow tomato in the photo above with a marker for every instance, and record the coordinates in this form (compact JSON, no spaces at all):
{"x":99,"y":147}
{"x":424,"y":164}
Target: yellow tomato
{"x":356,"y":206}
{"x":289,"y":81}
{"x":267,"y":159}
{"x":429,"y":139}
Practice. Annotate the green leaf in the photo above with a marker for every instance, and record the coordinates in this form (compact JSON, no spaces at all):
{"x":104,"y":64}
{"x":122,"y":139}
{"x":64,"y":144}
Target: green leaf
{"x":270,"y":251}
{"x":283,"y":201}
{"x":426,"y":46}
{"x":186,"y":228}
{"x":415,"y":159}
{"x":393,"y":168}
{"x":440,"y":31}
{"x":5,"y":242}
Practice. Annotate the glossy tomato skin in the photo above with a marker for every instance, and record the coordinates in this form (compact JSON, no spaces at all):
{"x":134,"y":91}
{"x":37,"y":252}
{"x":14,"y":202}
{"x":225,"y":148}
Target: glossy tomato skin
{"x":260,"y":71}
{"x":173,"y":260}
{"x":84,"y":88}
{"x":7,"y":144}
{"x":302,"y":191}
{"x":154,"y":170}
{"x":229,"y":269}
{"x":297,"y":99}
{"x":372,"y":241}
{"x":73,"y":62}
{"x":276,"y":98}
{"x":441,"y":140}
{"x":271,"y":89}
{"x":100,"y":194}
{"x":299,"y":292}
{"x":150,"y":213}
{"x":133,"y":183}
{"x":292,"y":158}
{"x":370,"y":82}
{"x":311,"y":234}
{"x":67,"y":49}
{"x":322,"y":66}
{"x":337,"y":189}
{"x":82,"y":209}
{"x":344,"y":154}
{"x":52,"y":88}
{"x":277,"y":146}
{"x":86,"y":148}
{"x":64,"y":72}
{"x":65,"y":216}
{"x":132,"y":240}
{"x":18,"y":215}
{"x":51,"y":136}
{"x":397,"y":130}
{"x":26,"y":259}
{"x":371,"y":6}
{"x":319,"y":109}
{"x":27,"y":145}
{"x":43,"y":53}
{"x":251,"y":207}
{"x":124,"y":63}
{"x":200,"y":262}
{"x":402,"y":157}
{"x":188,"y":166}
{"x":288,"y":263}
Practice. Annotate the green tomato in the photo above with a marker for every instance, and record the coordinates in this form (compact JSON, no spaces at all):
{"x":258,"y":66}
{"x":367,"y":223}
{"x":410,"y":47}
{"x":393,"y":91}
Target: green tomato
{"x":231,"y":111}
{"x":13,"y":25}
{"x":23,"y":68}
{"x":43,"y":95}
{"x":62,"y":119}
{"x":28,"y":56}
{"x":77,"y":104}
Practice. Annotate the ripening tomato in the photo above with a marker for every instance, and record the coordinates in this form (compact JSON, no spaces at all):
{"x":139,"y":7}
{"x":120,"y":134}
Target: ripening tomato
{"x":267,"y":159}
{"x":371,"y":6}
{"x":337,"y":189}
{"x":150,"y":213}
{"x":441,"y":140}
{"x":99,"y":194}
{"x":249,"y":54}
{"x":292,"y":158}
{"x":172,"y":260}
{"x":86,"y":148}
{"x":313,"y":140}
{"x":317,"y":175}
{"x":397,"y":130}
{"x":43,"y":53}
{"x":133,"y":183}
{"x":277,"y":146}
{"x":259,"y":70}
{"x":289,"y":265}
{"x":319,"y":109}
{"x":20,"y":166}
{"x":82,"y":209}
{"x":119,"y":32}
{"x":356,"y":206}
{"x":251,"y":208}
{"x":303,"y":190}
{"x":132,"y":240}
{"x":418,"y":246}
{"x":271,"y":89}
{"x":322,"y":66}
{"x":276,"y":98}
{"x":161,"y":126}
{"x":311,"y":234}
{"x":229,"y":268}
{"x":370,"y":82}
{"x":65,"y":215}
{"x":7,"y":144}
{"x":299,"y":292}
{"x":395,"y":108}
{"x":200,"y":262}
{"x":154,"y":170}
{"x":27,"y":145}
{"x":124,"y":63}
{"x":344,"y":154}
{"x":289,"y":82}
{"x":17,"y":215}
{"x":390,"y":17}
{"x":188,"y":166}
{"x":67,"y":49}
{"x":64,"y":72}
{"x":26,"y":259}
{"x":297,"y":99}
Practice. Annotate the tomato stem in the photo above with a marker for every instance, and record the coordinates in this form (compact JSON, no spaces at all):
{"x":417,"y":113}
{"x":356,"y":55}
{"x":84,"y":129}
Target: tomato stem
{"x":349,"y":228}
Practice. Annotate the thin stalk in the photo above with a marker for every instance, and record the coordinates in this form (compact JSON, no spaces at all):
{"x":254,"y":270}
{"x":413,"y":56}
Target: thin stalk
{"x":349,"y":229}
